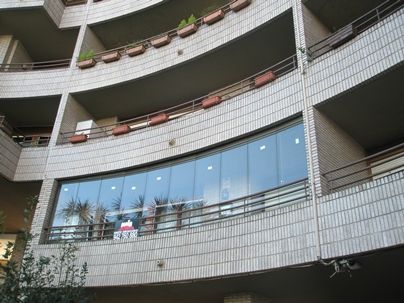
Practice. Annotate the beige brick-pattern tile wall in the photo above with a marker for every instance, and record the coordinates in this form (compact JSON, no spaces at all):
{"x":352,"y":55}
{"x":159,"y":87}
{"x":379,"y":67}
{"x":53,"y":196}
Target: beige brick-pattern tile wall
{"x":363,"y":218}
{"x":9,"y":156}
{"x":31,"y":164}
{"x":55,"y":10}
{"x":13,"y":4}
{"x":369,"y":54}
{"x":272,"y":239}
{"x":314,"y":29}
{"x":243,"y":114}
{"x":5,"y":41}
{"x":335,"y":149}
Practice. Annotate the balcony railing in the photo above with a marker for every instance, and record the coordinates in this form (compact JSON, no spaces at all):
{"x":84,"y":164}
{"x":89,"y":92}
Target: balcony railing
{"x":366,"y":169}
{"x":279,"y":69}
{"x":183,"y":215}
{"x":23,"y":139}
{"x":29,"y":66}
{"x":354,"y":28}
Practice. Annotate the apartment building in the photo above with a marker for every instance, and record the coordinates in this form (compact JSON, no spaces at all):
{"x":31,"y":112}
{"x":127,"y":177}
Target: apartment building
{"x":209,"y":151}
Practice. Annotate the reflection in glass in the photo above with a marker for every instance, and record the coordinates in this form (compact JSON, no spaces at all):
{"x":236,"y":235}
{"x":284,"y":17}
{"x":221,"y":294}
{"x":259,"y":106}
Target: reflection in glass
{"x":292,"y":155}
{"x":181,"y":191}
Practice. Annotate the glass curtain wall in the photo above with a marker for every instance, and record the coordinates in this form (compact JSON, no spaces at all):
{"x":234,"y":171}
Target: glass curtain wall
{"x":174,"y":194}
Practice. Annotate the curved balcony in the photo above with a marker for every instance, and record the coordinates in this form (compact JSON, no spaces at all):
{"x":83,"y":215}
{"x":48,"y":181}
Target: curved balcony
{"x":123,"y":127}
{"x":360,"y":59}
{"x":239,"y":116}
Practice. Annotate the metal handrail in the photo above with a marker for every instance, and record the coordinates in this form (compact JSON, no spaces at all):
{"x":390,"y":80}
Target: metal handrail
{"x":28,"y":66}
{"x":349,"y":170}
{"x":360,"y":25}
{"x":279,"y":69}
{"x":250,"y":204}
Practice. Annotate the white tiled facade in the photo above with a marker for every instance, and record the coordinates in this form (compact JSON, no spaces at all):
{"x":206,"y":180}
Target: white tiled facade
{"x":359,"y":219}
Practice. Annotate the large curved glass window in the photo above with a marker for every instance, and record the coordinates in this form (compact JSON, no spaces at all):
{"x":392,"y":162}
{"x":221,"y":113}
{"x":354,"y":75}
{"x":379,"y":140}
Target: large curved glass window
{"x":174,"y":193}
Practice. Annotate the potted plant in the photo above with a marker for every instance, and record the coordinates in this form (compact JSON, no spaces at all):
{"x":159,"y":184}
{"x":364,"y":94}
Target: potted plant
{"x":213,"y":17}
{"x":111,"y":57}
{"x":187,"y":27}
{"x":160,"y":41}
{"x":158,"y":119}
{"x":239,"y":5}
{"x":263,"y":79}
{"x":86,"y":59}
{"x":135,"y":49}
{"x":78,"y":138}
{"x":211,"y":101}
{"x":121,"y":130}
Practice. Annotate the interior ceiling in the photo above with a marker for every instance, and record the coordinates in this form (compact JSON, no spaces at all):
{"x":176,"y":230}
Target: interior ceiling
{"x":151,"y":22}
{"x":246,"y":56}
{"x":13,"y":200}
{"x":43,"y":41}
{"x":373,"y":113}
{"x":28,"y":112}
{"x":379,"y":280}
{"x":338,"y":13}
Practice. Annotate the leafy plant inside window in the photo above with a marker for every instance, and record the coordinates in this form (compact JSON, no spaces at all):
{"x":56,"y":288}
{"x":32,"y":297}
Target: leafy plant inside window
{"x":86,"y":55}
{"x":185,"y":22}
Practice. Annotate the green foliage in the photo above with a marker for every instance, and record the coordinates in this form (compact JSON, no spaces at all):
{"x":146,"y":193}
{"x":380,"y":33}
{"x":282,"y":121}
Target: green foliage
{"x":54,"y":279}
{"x":86,"y":55}
{"x":39,"y":279}
{"x":185,"y":22}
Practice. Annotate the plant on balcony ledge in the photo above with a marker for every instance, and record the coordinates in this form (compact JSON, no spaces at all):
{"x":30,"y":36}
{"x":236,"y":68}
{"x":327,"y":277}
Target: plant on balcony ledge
{"x":211,"y":101}
{"x":263,"y":79}
{"x":160,"y":41}
{"x":111,"y":57}
{"x":86,"y":59}
{"x":78,"y":139}
{"x":187,"y":27}
{"x":239,"y":5}
{"x":213,"y":17}
{"x":135,"y":49}
{"x":121,"y":130}
{"x":158,"y":119}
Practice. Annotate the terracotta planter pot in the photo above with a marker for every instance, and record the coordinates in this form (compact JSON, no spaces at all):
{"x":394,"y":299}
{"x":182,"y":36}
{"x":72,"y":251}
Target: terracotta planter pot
{"x":134,"y":51}
{"x":161,"y":41}
{"x":264,"y":79}
{"x":344,"y":35}
{"x":213,"y":17}
{"x":211,"y":101}
{"x":121,"y":130}
{"x":86,"y":63}
{"x":78,"y":139}
{"x":239,"y":5}
{"x":160,"y":118}
{"x":111,"y":57}
{"x":187,"y":30}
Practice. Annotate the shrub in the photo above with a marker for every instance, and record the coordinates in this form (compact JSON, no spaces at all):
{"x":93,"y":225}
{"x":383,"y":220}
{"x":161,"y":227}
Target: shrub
{"x":86,"y":55}
{"x":185,"y":22}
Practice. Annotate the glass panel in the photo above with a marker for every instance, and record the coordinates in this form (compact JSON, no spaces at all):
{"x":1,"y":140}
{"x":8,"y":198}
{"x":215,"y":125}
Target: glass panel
{"x":207,"y":179}
{"x":233,"y":178}
{"x":156,"y":197}
{"x":181,"y":192}
{"x":292,"y":155}
{"x":262,"y":164}
{"x":67,"y":196}
{"x":132,"y":201}
{"x":109,"y":202}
